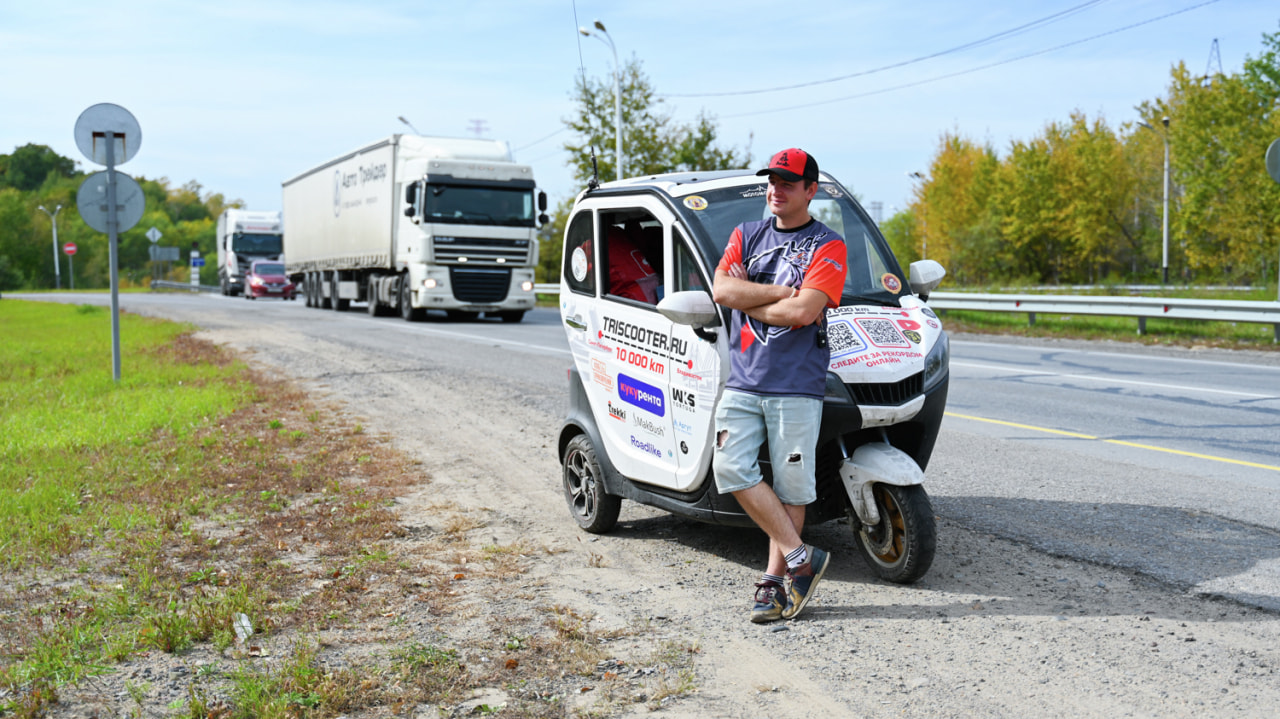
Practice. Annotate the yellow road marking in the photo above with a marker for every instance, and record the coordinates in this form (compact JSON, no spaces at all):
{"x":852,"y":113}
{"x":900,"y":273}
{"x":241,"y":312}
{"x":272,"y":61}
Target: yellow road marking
{"x":1077,"y":435}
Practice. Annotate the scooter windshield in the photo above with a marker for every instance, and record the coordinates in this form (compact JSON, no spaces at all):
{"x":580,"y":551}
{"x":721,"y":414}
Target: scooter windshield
{"x":873,"y":277}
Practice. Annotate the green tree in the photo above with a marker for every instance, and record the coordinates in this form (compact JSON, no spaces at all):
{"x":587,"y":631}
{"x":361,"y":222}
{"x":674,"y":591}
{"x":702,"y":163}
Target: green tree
{"x":28,"y":167}
{"x":1227,"y":218}
{"x":953,"y":205}
{"x":18,"y":241}
{"x":652,"y":143}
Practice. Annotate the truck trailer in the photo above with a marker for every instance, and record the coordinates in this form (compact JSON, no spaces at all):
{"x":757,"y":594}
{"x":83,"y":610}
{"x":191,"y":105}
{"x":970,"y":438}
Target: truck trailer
{"x":414,"y":223}
{"x":245,"y":236}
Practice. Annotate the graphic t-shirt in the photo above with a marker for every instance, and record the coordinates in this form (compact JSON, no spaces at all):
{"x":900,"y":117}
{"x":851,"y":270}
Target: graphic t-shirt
{"x":770,"y":360}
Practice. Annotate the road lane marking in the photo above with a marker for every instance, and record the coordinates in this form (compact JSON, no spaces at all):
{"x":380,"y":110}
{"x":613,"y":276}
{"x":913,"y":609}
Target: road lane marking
{"x":1123,"y":443}
{"x":1112,"y":380}
{"x":1040,"y":350}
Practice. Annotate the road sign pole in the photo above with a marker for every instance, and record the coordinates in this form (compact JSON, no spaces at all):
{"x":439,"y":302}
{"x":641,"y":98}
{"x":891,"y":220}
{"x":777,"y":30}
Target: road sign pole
{"x":111,"y":243}
{"x":71,"y":270}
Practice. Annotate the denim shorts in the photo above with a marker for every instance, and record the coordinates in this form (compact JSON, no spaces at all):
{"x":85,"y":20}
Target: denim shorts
{"x":791,"y":426}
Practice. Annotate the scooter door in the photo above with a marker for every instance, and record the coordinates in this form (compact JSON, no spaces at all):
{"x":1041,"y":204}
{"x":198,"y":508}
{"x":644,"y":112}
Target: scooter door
{"x":698,"y":373}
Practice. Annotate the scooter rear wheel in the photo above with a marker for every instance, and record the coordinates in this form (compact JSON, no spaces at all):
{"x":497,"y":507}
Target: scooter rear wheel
{"x":592,"y":508}
{"x":900,"y":548}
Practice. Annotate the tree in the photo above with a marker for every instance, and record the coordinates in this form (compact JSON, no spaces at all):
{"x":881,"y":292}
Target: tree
{"x":28,"y":167}
{"x":1228,"y":216}
{"x":652,"y":143}
{"x":953,"y":204}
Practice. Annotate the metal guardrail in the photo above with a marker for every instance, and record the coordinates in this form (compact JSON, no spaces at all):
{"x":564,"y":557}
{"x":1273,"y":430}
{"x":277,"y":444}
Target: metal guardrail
{"x":167,"y":285}
{"x":1142,"y":308}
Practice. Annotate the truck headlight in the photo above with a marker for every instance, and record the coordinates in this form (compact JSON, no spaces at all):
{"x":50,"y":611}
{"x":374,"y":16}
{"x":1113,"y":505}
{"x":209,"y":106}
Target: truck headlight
{"x":429,"y":283}
{"x":937,"y":362}
{"x":527,"y":286}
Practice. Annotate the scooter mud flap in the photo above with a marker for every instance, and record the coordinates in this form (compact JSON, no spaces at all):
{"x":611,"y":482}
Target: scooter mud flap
{"x":872,"y":463}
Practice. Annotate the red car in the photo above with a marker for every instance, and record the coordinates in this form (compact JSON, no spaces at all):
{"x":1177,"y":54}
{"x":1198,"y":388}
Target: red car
{"x":267,"y":279}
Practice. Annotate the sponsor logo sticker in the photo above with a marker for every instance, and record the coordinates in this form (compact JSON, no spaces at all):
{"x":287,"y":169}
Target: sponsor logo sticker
{"x":619,"y":413}
{"x":684,"y":399}
{"x":646,"y":447}
{"x":648,"y":425}
{"x":642,"y":395}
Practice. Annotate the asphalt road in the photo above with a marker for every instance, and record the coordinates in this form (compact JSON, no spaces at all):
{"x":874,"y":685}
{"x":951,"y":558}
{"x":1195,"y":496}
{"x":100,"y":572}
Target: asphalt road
{"x":1161,"y":461}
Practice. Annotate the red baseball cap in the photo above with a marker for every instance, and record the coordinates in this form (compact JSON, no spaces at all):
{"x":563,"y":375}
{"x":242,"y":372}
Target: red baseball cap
{"x":792,"y":165}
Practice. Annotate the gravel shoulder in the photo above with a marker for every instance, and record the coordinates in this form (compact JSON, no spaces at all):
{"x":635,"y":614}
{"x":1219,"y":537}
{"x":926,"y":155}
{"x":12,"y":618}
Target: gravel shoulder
{"x":995,"y":629}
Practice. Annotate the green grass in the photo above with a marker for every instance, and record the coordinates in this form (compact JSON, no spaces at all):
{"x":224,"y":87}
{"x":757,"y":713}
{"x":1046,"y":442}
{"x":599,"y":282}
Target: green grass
{"x":70,"y":434}
{"x":145,"y":516}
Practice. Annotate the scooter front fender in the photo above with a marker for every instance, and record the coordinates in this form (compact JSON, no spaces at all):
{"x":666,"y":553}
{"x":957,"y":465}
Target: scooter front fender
{"x":874,"y":463}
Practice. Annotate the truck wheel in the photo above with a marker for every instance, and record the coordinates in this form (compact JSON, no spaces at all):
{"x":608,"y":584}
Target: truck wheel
{"x":900,"y":548}
{"x":339,"y":305}
{"x":512,"y":316}
{"x":371,"y":296}
{"x":324,"y":301}
{"x":407,"y":310}
{"x":592,"y":508}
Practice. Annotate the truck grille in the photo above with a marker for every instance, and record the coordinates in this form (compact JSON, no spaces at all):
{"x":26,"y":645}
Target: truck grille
{"x":485,"y":286}
{"x":888,"y":394}
{"x":478,"y":250}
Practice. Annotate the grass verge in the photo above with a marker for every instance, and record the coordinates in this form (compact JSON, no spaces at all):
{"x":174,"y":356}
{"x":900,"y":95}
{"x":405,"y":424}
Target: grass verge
{"x":201,"y":540}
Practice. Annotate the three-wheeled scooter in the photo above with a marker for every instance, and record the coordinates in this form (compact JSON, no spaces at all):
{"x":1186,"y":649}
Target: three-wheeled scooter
{"x":651,"y":354}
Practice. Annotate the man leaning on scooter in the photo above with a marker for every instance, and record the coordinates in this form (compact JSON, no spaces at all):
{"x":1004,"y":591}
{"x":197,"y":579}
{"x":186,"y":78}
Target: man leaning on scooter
{"x":778,"y":276}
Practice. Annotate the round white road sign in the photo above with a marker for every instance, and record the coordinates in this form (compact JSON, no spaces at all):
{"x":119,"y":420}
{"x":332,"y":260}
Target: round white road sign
{"x":93,"y":125}
{"x":91,"y":200}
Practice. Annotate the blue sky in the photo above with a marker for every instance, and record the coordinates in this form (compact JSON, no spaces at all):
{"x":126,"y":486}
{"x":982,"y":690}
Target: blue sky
{"x":240,"y":95}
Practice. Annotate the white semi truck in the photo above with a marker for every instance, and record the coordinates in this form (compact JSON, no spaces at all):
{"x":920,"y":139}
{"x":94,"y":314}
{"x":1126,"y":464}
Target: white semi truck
{"x":243,"y":237}
{"x":414,"y":223}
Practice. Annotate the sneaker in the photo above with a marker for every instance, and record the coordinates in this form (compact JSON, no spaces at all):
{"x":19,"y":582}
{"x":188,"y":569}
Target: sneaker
{"x":771,"y":602}
{"x":804,"y":579}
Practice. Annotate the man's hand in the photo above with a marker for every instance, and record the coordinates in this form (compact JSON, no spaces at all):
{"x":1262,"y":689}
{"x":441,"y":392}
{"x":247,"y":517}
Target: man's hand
{"x":732,"y":289}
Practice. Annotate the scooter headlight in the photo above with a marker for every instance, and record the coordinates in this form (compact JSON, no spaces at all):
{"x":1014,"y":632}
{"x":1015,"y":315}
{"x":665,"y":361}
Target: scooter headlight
{"x":836,"y":391}
{"x":937,"y":362}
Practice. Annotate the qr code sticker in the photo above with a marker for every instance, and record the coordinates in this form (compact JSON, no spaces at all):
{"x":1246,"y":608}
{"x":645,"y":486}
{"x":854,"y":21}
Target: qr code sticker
{"x":843,"y":339}
{"x":882,"y":333}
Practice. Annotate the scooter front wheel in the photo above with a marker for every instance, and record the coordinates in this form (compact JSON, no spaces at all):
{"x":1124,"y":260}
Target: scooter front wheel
{"x":592,"y":508}
{"x":900,"y":547}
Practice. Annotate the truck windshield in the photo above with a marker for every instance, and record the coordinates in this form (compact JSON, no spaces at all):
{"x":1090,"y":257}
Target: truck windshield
{"x":257,"y":244}
{"x":466,"y":204}
{"x":873,"y":272}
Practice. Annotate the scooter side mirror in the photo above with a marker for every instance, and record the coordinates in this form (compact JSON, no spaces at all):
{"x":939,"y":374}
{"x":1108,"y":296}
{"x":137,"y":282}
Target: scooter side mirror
{"x":926,"y":275}
{"x":691,"y":307}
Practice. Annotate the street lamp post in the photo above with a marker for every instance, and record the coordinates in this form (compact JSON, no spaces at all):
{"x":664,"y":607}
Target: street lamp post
{"x":53,"y":218}
{"x":603,"y":36}
{"x":409,"y":125}
{"x":924,"y":222}
{"x":1164,"y":253}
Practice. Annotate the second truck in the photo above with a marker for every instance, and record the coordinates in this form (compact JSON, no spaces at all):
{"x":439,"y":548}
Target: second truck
{"x":243,"y":237}
{"x":411,"y":223}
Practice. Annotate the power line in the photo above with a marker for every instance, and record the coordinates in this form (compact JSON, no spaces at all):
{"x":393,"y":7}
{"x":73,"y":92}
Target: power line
{"x":967,"y":46}
{"x":979,"y":68}
{"x":542,"y":139}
